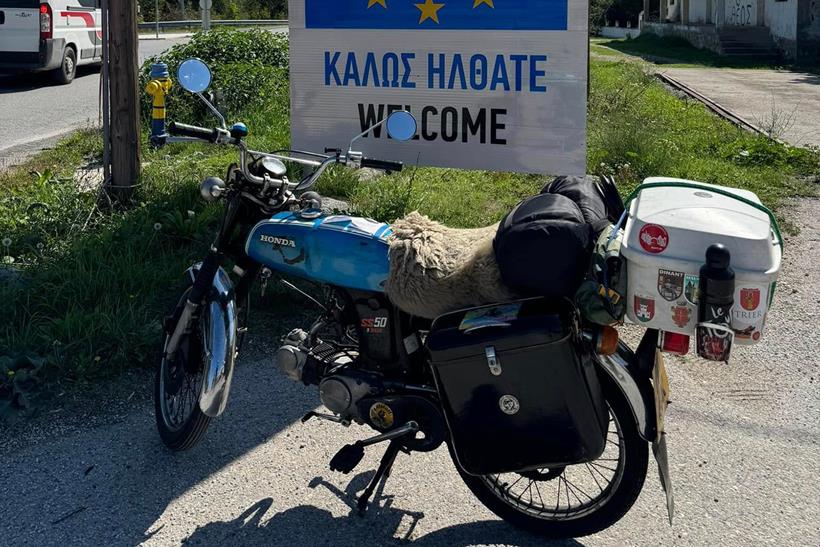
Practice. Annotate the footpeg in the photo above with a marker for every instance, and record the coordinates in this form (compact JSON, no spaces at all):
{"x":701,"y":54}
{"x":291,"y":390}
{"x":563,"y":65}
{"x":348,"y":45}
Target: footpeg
{"x":351,"y":455}
{"x":327,"y":417}
{"x":347,"y":458}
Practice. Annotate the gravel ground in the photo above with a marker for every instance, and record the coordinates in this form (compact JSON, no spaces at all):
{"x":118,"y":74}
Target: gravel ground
{"x":743,"y":453}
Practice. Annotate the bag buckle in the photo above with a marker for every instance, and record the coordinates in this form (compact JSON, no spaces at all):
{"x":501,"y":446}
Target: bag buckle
{"x":492,"y":361}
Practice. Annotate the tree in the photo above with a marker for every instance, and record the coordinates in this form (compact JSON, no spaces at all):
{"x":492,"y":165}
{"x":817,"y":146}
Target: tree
{"x":597,"y":12}
{"x":222,"y":9}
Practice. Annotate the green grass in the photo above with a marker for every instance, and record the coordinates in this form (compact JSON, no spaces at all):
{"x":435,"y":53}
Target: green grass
{"x":677,"y":52}
{"x":94,"y":282}
{"x":669,"y":50}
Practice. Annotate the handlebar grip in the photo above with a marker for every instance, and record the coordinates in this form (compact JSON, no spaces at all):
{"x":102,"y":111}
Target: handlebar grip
{"x":384,"y":165}
{"x":194,"y":131}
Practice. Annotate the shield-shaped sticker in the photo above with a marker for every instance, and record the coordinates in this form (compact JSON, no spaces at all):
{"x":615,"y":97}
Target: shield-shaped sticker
{"x":691,"y":289}
{"x":750,"y":299}
{"x":644,"y":308}
{"x":670,"y":284}
{"x":681,"y":315}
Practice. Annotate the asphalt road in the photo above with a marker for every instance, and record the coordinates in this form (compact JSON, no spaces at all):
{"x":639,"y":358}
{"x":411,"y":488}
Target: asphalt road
{"x":743,"y":447}
{"x":34,"y":112}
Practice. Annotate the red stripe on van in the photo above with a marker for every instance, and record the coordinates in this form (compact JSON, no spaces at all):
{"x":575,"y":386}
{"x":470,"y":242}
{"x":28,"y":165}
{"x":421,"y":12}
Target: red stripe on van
{"x":84,"y":15}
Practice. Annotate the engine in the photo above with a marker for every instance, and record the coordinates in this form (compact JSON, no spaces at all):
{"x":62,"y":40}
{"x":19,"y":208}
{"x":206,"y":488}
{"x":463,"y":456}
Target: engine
{"x":357,"y":395}
{"x":339,"y":391}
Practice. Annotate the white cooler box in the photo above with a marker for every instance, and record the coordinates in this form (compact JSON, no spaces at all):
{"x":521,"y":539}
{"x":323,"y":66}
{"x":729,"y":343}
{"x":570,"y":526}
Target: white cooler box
{"x":665,"y":241}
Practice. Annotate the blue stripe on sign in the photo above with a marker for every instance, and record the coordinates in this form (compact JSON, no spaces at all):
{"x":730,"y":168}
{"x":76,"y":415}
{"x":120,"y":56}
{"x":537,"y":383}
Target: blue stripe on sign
{"x":437,"y":14}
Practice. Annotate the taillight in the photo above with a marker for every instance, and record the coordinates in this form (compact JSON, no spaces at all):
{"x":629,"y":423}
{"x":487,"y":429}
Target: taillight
{"x":672,"y":342}
{"x":46,"y":22}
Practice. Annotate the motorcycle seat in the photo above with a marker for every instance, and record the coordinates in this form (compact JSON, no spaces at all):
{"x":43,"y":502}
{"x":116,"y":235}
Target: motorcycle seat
{"x":435,"y":269}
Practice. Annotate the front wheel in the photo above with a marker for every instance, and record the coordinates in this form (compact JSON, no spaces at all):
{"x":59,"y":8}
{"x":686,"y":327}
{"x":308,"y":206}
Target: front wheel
{"x":576,"y":500}
{"x":177,"y":387}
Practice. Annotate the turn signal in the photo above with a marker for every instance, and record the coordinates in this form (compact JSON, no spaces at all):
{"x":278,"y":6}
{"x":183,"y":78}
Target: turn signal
{"x":672,"y":342}
{"x":212,"y":188}
{"x":607,"y":342}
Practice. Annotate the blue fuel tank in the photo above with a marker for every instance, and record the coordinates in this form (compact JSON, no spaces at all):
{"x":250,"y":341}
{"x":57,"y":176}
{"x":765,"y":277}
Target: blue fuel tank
{"x":337,"y":249}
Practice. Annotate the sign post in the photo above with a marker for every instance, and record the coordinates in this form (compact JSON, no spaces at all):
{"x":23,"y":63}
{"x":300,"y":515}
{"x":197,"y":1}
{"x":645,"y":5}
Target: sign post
{"x":205,"y":6}
{"x":494,"y":84}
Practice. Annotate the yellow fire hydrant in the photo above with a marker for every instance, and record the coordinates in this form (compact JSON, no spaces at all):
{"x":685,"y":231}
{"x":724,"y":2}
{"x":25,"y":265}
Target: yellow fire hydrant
{"x":158,"y":88}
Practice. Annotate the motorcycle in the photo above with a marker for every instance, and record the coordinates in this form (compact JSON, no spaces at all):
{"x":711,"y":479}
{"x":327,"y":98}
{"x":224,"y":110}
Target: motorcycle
{"x":376,"y":365}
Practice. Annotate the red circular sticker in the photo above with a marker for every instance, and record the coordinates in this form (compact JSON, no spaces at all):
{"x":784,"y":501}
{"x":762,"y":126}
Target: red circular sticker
{"x":654,"y":239}
{"x":756,"y":336}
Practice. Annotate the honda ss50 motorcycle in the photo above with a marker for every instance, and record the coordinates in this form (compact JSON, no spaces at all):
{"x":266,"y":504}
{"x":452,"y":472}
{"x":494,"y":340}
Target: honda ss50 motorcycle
{"x":545,"y":430}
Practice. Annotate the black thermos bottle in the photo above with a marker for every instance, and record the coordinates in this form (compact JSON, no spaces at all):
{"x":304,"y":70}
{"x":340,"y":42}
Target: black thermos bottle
{"x":717,"y":295}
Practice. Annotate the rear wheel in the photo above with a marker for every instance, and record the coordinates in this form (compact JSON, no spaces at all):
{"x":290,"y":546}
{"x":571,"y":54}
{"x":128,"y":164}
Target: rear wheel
{"x":64,"y":74}
{"x":575,"y":500}
{"x":177,"y":388}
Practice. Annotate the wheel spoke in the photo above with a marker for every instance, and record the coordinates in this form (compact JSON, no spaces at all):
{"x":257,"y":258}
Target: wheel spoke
{"x":602,"y":466}
{"x":575,"y":487}
{"x":600,"y":488}
{"x":539,"y":494}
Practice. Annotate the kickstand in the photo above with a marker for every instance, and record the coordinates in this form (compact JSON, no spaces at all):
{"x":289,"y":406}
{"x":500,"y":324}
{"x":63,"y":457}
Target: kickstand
{"x":381,"y":473}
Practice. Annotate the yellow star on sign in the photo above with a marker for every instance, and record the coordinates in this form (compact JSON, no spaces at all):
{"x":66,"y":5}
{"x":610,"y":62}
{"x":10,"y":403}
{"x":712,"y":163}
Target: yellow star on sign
{"x":371,"y":3}
{"x":479,"y":2}
{"x":429,"y":10}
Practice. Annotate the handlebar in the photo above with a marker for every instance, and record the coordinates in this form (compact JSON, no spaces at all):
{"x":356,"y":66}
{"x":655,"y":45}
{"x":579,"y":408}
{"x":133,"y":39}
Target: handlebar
{"x":196,"y":132}
{"x":384,"y":165}
{"x":319,"y":164}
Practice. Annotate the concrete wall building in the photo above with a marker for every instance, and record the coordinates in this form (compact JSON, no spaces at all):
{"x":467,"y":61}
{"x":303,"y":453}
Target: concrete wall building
{"x":744,"y":28}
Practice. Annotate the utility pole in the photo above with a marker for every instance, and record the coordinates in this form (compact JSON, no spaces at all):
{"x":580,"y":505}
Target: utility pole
{"x":124,"y":92}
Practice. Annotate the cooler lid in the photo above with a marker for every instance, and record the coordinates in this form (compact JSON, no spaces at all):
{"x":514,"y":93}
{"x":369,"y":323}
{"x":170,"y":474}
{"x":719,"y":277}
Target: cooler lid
{"x":681,"y":223}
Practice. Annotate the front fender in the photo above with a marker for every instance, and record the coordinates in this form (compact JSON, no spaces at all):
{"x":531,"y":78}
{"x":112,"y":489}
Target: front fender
{"x":219,"y":340}
{"x":623,"y":369}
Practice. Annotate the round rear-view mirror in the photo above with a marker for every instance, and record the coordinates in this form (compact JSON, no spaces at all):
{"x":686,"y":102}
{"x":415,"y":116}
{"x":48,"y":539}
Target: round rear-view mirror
{"x":194,"y":75}
{"x":401,"y":125}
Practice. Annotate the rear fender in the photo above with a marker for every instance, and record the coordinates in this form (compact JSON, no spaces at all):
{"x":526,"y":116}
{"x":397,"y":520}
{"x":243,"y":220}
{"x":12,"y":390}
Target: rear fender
{"x":623,"y":369}
{"x":219,"y":314}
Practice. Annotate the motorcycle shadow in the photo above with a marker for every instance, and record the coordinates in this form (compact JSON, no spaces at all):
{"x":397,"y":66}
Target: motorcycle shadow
{"x":384,"y":524}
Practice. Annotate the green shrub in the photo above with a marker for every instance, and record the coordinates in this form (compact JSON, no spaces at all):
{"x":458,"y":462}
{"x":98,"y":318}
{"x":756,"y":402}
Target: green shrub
{"x":248,"y":68}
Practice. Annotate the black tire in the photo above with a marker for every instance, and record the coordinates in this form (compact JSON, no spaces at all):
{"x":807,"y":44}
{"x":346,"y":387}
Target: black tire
{"x":620,"y":499}
{"x":190,"y":429}
{"x":64,"y":74}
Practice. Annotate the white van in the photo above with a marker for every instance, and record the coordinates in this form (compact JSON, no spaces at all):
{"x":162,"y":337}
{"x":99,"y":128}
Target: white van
{"x":55,"y":35}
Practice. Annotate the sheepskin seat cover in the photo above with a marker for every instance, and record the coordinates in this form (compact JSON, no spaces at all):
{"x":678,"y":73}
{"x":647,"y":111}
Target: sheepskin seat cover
{"x":435,"y":269}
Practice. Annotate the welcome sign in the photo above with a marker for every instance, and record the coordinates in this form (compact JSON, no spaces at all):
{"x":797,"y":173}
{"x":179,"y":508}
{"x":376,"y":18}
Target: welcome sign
{"x":494,"y":84}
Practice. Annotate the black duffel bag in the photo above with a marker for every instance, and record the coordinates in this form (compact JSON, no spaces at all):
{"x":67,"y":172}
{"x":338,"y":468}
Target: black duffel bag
{"x":543,"y":246}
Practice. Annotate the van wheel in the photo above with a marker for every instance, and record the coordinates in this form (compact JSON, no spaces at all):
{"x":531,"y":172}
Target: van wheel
{"x":64,"y":74}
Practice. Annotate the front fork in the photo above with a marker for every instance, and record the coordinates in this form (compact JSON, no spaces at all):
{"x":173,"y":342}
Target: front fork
{"x":214,"y":297}
{"x":204,"y":276}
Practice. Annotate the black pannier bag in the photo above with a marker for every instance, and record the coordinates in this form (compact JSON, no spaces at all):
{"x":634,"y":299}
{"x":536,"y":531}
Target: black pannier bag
{"x":517,"y":392}
{"x":543,"y":246}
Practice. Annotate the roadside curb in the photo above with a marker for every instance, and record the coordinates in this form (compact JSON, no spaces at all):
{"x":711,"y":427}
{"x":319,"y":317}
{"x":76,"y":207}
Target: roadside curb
{"x":714,"y":106}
